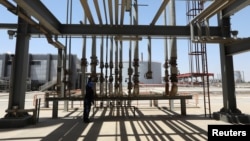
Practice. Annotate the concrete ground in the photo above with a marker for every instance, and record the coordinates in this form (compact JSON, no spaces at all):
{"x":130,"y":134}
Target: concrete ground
{"x":148,"y":123}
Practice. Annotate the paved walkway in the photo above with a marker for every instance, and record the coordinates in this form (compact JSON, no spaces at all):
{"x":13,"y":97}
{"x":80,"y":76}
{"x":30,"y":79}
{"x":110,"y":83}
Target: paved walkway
{"x":149,"y":123}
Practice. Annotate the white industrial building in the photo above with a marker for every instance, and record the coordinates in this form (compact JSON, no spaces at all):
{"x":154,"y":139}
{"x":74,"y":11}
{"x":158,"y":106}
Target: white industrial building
{"x":143,"y":69}
{"x":43,"y":69}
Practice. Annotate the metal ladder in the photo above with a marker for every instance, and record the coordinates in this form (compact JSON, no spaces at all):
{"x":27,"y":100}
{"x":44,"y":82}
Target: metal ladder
{"x":198,"y":55}
{"x":205,"y":80}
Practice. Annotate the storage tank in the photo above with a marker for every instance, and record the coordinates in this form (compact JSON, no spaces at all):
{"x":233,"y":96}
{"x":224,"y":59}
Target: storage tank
{"x":237,"y":76}
{"x":156,"y":68}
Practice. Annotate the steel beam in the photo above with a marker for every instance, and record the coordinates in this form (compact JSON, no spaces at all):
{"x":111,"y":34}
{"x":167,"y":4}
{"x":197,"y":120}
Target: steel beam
{"x":8,"y":26}
{"x":122,"y":12}
{"x":9,"y":6}
{"x":125,"y":30}
{"x":212,"y":9}
{"x":116,"y":11}
{"x":235,"y":7}
{"x":161,"y":9}
{"x":110,"y":11}
{"x":36,"y":9}
{"x":87,"y":11}
{"x":98,"y":11}
{"x":238,"y":47}
{"x":140,"y":30}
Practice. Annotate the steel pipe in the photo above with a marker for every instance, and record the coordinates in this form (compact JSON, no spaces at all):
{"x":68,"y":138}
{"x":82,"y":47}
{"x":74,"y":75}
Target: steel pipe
{"x":87,"y":11}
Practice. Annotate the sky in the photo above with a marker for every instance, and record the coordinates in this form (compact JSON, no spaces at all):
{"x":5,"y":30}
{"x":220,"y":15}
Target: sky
{"x":147,"y":10}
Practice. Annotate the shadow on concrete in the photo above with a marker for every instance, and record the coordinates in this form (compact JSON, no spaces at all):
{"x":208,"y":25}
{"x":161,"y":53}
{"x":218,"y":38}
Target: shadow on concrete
{"x":108,"y":125}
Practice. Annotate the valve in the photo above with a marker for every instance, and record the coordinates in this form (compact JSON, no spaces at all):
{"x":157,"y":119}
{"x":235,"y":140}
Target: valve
{"x":148,"y":75}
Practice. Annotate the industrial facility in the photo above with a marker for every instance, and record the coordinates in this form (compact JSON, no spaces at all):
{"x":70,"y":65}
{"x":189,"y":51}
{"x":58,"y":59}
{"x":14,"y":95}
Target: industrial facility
{"x":109,"y":25}
{"x":42,"y":72}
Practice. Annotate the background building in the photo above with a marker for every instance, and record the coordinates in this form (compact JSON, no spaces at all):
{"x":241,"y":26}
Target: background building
{"x":143,"y":69}
{"x":42,"y":69}
{"x":238,"y":78}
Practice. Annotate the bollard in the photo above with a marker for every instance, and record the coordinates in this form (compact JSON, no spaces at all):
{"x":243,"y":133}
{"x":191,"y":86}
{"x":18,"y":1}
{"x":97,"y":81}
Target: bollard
{"x":46,"y":102}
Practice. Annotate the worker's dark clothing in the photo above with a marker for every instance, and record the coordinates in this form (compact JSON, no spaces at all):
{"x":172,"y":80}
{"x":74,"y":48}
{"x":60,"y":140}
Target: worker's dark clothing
{"x":88,"y":100}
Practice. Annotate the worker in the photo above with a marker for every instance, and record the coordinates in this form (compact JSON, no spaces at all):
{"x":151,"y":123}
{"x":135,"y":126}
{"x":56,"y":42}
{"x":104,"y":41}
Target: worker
{"x":88,"y":100}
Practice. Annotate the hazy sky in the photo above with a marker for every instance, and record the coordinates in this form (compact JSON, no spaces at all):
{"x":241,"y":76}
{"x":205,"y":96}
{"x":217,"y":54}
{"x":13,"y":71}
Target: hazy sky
{"x":147,"y":10}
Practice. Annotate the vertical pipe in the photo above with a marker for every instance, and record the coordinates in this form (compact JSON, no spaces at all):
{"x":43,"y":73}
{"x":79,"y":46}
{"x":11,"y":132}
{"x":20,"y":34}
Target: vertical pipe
{"x":173,"y":53}
{"x":101,"y":66}
{"x":110,"y":3}
{"x":120,"y":70}
{"x":106,"y":68}
{"x":111,"y":67}
{"x":166,"y":58}
{"x":84,"y":61}
{"x":136,"y":52}
{"x":69,"y":72}
{"x":106,"y":61}
{"x":69,"y":84}
{"x":149,"y":72}
{"x":116,"y":68}
{"x":59,"y":72}
{"x":94,"y":62}
{"x":116,"y":11}
{"x":63,"y":88}
{"x":130,"y":70}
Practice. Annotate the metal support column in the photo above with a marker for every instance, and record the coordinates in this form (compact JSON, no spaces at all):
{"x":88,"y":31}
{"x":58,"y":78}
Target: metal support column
{"x":20,"y":67}
{"x":227,"y":73}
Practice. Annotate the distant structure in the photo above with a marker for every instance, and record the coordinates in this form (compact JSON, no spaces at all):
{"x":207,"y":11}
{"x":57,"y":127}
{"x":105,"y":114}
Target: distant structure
{"x":193,"y":78}
{"x":42,"y":73}
{"x":42,"y":70}
{"x":238,"y":78}
{"x":143,"y":69}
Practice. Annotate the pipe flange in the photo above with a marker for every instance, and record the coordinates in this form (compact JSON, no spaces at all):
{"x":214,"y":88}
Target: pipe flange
{"x":111,"y":79}
{"x":166,"y":64}
{"x":120,"y":65}
{"x":149,"y":75}
{"x":101,"y":65}
{"x":94,"y":61}
{"x":106,"y":65}
{"x":136,"y":63}
{"x":116,"y":85}
{"x":84,"y":62}
{"x":116,"y":71}
{"x":101,"y":78}
{"x":111,"y":65}
{"x":130,"y":71}
{"x":120,"y":79}
{"x":130,"y":85}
